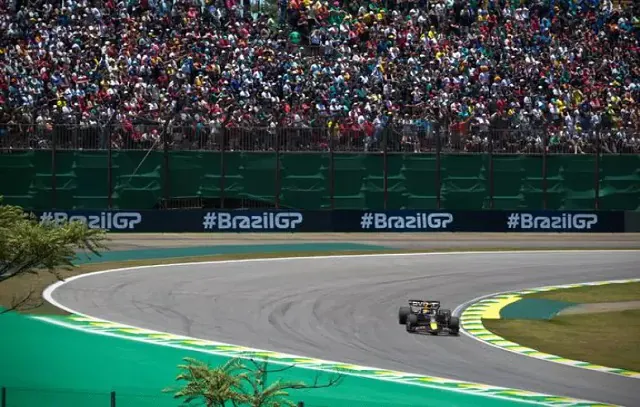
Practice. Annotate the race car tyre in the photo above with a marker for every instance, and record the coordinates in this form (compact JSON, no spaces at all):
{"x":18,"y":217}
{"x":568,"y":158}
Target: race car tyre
{"x":454,"y":325}
{"x":402,"y":314}
{"x":444,"y":315}
{"x":412,"y":321}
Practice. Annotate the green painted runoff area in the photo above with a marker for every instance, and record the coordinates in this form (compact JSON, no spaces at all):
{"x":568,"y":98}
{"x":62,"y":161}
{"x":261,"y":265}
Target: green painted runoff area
{"x":47,"y":365}
{"x":534,"y":308}
{"x":310,"y":180}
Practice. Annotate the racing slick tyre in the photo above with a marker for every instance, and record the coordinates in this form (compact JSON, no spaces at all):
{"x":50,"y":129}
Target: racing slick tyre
{"x":454,"y":325}
{"x":402,"y":315}
{"x":444,"y":315}
{"x":412,"y":322}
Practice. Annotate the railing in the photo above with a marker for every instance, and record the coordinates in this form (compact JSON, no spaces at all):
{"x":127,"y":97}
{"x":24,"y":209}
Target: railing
{"x":398,"y":137}
{"x":386,"y":147}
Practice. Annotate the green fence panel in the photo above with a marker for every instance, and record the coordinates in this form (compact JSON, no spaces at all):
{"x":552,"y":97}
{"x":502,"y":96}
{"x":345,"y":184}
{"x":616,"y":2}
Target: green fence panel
{"x":41,"y":196}
{"x":17,"y":175}
{"x":138,"y":179}
{"x":509,"y":174}
{"x":373,"y":181}
{"x":532,"y":183}
{"x":210,"y":176}
{"x":66,"y":183}
{"x":578,"y":181}
{"x":91,"y":172}
{"x":620,"y":183}
{"x":350,"y":171}
{"x":258,"y":171}
{"x":304,"y":180}
{"x":187,"y":173}
{"x":397,"y":193}
{"x":419,"y":173}
{"x":465,"y":181}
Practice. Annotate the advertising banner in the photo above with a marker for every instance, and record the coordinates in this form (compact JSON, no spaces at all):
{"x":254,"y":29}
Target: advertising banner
{"x":238,"y":221}
{"x":176,"y":221}
{"x":477,"y":221}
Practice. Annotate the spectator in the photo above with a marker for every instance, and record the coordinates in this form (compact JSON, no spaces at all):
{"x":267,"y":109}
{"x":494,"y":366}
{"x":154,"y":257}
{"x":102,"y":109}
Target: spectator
{"x":525,"y":73}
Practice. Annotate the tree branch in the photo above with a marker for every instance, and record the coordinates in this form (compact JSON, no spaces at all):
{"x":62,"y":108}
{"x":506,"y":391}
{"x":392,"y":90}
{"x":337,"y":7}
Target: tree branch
{"x":23,"y":304}
{"x":257,"y":380}
{"x":8,"y":265}
{"x":265,"y":363}
{"x":28,"y":267}
{"x":333,"y":381}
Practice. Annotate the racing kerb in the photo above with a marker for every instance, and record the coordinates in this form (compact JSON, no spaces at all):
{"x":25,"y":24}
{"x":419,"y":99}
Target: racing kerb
{"x":482,"y":393}
{"x":472,"y":313}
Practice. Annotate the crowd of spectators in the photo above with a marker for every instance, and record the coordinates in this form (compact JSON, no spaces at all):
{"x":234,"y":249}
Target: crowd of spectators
{"x":345,"y":73}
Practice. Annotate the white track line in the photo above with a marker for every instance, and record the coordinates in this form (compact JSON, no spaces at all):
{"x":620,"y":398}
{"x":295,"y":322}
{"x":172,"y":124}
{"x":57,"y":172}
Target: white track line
{"x":319,"y":368}
{"x":48,"y":292}
{"x":460,"y":309}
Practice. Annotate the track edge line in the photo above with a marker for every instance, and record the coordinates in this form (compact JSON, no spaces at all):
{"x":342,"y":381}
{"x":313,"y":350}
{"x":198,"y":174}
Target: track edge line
{"x":466,"y":306}
{"x":568,"y":401}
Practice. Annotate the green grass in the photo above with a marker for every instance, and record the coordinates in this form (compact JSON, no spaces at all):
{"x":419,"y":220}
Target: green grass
{"x":607,"y":338}
{"x":592,"y":294}
{"x":610,"y":339}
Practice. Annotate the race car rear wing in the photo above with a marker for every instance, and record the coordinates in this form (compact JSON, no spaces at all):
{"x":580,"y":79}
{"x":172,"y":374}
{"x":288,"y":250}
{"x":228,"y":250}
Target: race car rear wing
{"x":422,"y":303}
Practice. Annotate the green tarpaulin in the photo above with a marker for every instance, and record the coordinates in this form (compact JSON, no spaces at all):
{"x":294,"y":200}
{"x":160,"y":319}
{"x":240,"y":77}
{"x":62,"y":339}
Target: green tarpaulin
{"x":304,"y":180}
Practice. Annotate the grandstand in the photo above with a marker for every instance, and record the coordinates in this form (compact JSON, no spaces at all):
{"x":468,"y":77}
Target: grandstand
{"x":319,"y":105}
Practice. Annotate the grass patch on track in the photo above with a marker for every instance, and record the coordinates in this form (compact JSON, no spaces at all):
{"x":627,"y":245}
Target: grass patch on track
{"x":610,"y":339}
{"x":20,"y":286}
{"x":593,"y":294}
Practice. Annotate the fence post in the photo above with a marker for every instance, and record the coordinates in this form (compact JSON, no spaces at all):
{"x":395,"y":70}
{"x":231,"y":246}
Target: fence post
{"x":438,"y":175}
{"x":113,"y":399}
{"x":597,"y":174}
{"x":222,"y":165}
{"x":544,"y":171}
{"x":332,"y":171}
{"x":385,"y":179}
{"x":277,"y":180}
{"x":165,"y":152}
{"x":109,"y":166}
{"x":54,"y":137}
{"x":491,"y":191}
{"x":3,"y":397}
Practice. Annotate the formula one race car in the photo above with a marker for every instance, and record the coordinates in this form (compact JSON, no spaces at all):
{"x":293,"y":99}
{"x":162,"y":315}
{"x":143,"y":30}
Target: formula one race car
{"x":428,"y":317}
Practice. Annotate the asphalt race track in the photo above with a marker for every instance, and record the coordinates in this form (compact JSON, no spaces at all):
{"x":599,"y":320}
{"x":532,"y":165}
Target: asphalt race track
{"x":346,"y":310}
